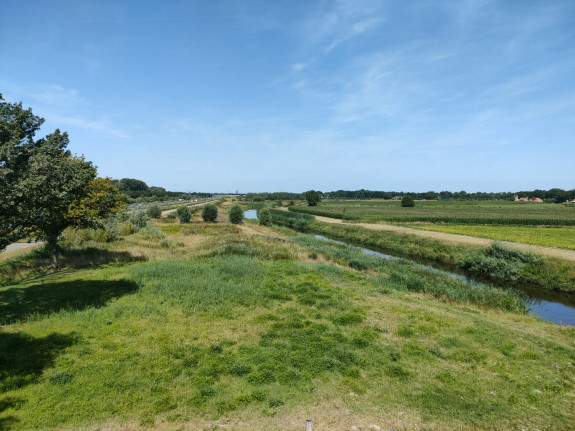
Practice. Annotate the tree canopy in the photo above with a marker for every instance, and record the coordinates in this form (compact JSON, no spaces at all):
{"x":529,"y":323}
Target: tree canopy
{"x":407,"y":201}
{"x":313,"y":198}
{"x":44,"y":188}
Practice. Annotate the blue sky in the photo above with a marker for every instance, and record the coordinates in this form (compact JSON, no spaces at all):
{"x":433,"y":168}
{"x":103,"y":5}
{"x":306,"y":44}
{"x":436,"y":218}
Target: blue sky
{"x":294,"y":95}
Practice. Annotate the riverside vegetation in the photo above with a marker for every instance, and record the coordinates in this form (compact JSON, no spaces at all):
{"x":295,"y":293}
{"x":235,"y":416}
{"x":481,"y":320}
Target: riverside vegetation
{"x":208,"y":325}
{"x":540,"y":224}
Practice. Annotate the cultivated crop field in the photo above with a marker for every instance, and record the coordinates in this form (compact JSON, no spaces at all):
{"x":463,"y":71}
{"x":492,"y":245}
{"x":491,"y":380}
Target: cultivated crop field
{"x":502,"y":213}
{"x":207,"y":326}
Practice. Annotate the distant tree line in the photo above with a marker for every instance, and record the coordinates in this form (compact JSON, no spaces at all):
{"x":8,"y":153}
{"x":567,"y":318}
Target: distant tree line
{"x":554,"y":195}
{"x":138,"y":190}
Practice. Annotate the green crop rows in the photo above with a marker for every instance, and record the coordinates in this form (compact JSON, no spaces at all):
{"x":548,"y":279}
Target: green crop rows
{"x":438,"y":212}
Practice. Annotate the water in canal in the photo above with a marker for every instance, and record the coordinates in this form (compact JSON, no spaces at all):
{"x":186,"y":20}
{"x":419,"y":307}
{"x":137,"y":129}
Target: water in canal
{"x":553,"y":306}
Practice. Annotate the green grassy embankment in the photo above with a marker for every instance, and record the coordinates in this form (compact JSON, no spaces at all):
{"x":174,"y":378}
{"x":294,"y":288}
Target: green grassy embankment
{"x":493,"y":262}
{"x":209,"y":326}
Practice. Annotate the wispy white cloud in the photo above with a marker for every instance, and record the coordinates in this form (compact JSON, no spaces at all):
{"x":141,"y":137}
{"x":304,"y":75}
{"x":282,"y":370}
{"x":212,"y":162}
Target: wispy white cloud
{"x":56,"y":104}
{"x":100,"y":126}
{"x":354,"y":31}
{"x":45,"y":94}
{"x":342,"y":21}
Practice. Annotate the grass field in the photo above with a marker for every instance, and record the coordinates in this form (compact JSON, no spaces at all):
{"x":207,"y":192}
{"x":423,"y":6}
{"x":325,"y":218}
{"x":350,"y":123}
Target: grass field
{"x":215,"y":326}
{"x":500,"y":213}
{"x":562,"y":237}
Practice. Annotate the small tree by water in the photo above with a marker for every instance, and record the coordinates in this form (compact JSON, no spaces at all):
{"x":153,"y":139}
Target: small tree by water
{"x":265,"y":217}
{"x":236,"y":214}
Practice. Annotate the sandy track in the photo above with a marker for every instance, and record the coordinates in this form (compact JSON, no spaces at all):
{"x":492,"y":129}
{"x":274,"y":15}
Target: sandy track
{"x":189,"y":206}
{"x":456,"y":238}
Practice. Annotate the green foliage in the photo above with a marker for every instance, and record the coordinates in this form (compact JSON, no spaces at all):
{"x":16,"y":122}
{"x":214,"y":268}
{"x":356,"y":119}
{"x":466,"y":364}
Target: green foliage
{"x":258,"y":199}
{"x":184,"y":214}
{"x":498,"y":262}
{"x":236,"y":214}
{"x":139,"y":219}
{"x":209,"y":213}
{"x":264,"y":216}
{"x":407,"y":201}
{"x":313,"y":197}
{"x":548,"y":273}
{"x":154,"y":211}
{"x":44,"y":188}
{"x":404,"y":275}
{"x":299,"y":222}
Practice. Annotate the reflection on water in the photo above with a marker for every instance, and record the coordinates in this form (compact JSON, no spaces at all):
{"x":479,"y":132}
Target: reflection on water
{"x":553,"y":306}
{"x":251,"y":214}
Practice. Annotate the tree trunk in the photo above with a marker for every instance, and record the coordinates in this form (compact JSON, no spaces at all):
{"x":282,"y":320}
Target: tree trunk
{"x":53,"y":247}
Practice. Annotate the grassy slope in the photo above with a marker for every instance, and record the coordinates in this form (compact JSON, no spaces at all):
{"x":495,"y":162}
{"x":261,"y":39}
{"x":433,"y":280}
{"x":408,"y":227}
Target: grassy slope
{"x":545,"y":272}
{"x":239,"y":327}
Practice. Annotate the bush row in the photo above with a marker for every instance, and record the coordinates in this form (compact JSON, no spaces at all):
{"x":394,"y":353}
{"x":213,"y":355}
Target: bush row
{"x":297,"y":221}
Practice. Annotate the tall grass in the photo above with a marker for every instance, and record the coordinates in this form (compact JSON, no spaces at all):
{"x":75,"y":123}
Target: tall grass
{"x":486,"y":261}
{"x":299,"y":222}
{"x":402,"y":274}
{"x":231,"y":336}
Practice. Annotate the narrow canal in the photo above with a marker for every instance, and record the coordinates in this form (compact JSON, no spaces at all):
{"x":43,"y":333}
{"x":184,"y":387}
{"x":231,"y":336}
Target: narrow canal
{"x":553,"y":306}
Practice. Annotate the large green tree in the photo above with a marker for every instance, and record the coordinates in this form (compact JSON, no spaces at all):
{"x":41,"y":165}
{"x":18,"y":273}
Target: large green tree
{"x":313,"y":197}
{"x":44,"y":188}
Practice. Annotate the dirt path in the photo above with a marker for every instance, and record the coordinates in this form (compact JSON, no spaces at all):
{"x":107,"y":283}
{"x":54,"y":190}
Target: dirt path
{"x":456,"y":238}
{"x":20,"y":245}
{"x":190,"y":206}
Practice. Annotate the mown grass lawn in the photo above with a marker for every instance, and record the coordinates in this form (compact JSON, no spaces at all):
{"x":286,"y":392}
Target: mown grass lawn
{"x":551,"y":236}
{"x":215,"y":326}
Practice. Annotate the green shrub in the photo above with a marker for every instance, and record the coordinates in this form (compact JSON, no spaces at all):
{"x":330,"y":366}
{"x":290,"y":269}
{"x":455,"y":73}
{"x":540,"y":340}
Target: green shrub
{"x":236,"y":214}
{"x":127,"y":228}
{"x":101,"y":235}
{"x":139,"y":219}
{"x":407,"y":201}
{"x":184,"y":214}
{"x":264,"y":217}
{"x":210,"y":213}
{"x":498,"y":262}
{"x":172,"y":216}
{"x":76,"y":237}
{"x":154,"y":211}
{"x":313,"y":197}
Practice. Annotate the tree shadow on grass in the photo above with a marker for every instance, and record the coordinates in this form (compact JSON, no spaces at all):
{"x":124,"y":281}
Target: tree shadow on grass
{"x":37,"y":262}
{"x":20,"y":303}
{"x":90,"y":256}
{"x":22,"y":361}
